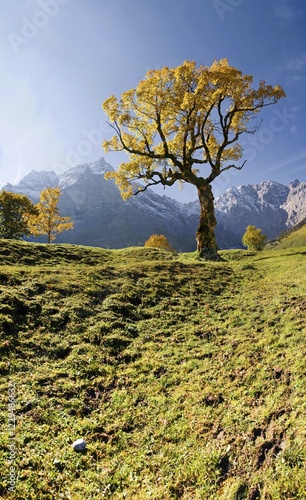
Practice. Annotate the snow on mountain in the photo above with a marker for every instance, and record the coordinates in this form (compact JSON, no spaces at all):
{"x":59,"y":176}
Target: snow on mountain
{"x":295,"y":204}
{"x":33,"y":183}
{"x":102,"y":218}
{"x":271,"y":193}
{"x":258,"y":205}
{"x":252,"y":197}
{"x":70,"y":177}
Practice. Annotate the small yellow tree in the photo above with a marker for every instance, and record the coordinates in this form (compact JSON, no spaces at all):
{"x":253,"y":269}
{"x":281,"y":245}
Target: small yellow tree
{"x":253,"y":238}
{"x":48,"y":222}
{"x":158,"y":241}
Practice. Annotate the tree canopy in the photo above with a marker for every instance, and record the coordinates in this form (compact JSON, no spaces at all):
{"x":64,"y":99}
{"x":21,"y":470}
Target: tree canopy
{"x":14,"y":211}
{"x":183,"y":124}
{"x":48,"y":221}
{"x":254,"y":239}
{"x":158,"y":241}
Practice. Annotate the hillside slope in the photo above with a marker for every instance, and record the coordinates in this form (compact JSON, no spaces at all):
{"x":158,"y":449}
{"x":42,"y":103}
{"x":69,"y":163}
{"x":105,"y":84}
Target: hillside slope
{"x":186,"y":379}
{"x":292,"y":238}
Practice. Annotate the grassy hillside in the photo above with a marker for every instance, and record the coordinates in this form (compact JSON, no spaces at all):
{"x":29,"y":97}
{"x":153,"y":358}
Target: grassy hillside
{"x":185,"y":378}
{"x":293,"y":238}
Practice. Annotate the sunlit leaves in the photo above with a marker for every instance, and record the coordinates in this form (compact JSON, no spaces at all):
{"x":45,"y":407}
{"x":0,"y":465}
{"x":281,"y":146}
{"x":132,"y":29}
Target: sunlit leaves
{"x":111,"y":108}
{"x":158,"y":241}
{"x":178,"y":117}
{"x":15,"y":209}
{"x":254,"y":239}
{"x":47,"y":221}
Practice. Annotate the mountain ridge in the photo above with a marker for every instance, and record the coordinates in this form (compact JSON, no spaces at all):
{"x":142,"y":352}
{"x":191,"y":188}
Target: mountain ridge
{"x":102,"y":218}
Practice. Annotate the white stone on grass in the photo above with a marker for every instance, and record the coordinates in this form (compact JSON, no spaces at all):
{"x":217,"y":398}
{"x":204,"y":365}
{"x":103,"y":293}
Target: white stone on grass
{"x":79,"y":445}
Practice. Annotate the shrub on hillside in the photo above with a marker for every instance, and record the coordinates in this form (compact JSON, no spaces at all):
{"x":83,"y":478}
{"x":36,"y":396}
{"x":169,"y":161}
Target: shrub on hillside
{"x":158,"y":241}
{"x":253,"y":238}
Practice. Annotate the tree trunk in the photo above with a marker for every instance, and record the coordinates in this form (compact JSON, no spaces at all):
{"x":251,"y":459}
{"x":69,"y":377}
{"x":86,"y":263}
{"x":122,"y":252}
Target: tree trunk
{"x":206,"y":240}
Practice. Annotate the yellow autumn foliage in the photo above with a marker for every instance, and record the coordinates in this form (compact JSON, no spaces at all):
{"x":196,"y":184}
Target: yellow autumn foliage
{"x":182,"y":125}
{"x":254,"y":239}
{"x":158,"y":241}
{"x":48,"y":221}
{"x":184,"y":116}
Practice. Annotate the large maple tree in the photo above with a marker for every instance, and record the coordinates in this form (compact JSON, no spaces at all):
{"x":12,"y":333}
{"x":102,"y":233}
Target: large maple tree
{"x":183,"y":125}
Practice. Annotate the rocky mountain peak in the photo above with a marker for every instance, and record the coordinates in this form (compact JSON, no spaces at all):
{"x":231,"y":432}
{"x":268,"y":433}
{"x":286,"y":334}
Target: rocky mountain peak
{"x":33,"y":183}
{"x":36,"y":180}
{"x":295,"y":203}
{"x":70,"y":177}
{"x":294,"y":184}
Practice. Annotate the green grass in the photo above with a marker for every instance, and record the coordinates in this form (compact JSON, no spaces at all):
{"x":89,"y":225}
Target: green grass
{"x":185,"y":378}
{"x":293,"y":238}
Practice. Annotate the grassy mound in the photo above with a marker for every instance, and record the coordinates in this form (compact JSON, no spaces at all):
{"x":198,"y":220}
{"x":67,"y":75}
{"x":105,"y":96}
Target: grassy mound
{"x":186,"y":379}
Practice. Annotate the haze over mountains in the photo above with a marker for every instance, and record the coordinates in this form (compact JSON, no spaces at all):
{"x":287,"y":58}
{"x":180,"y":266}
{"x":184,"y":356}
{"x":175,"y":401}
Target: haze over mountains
{"x":103,"y":219}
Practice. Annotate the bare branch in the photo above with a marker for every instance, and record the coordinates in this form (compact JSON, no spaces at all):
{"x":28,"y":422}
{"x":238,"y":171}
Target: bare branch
{"x":204,"y":142}
{"x":233,"y":166}
{"x":174,"y":177}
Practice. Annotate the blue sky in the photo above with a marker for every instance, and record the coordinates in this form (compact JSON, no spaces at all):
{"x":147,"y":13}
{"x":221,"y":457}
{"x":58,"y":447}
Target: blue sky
{"x":60,"y":59}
